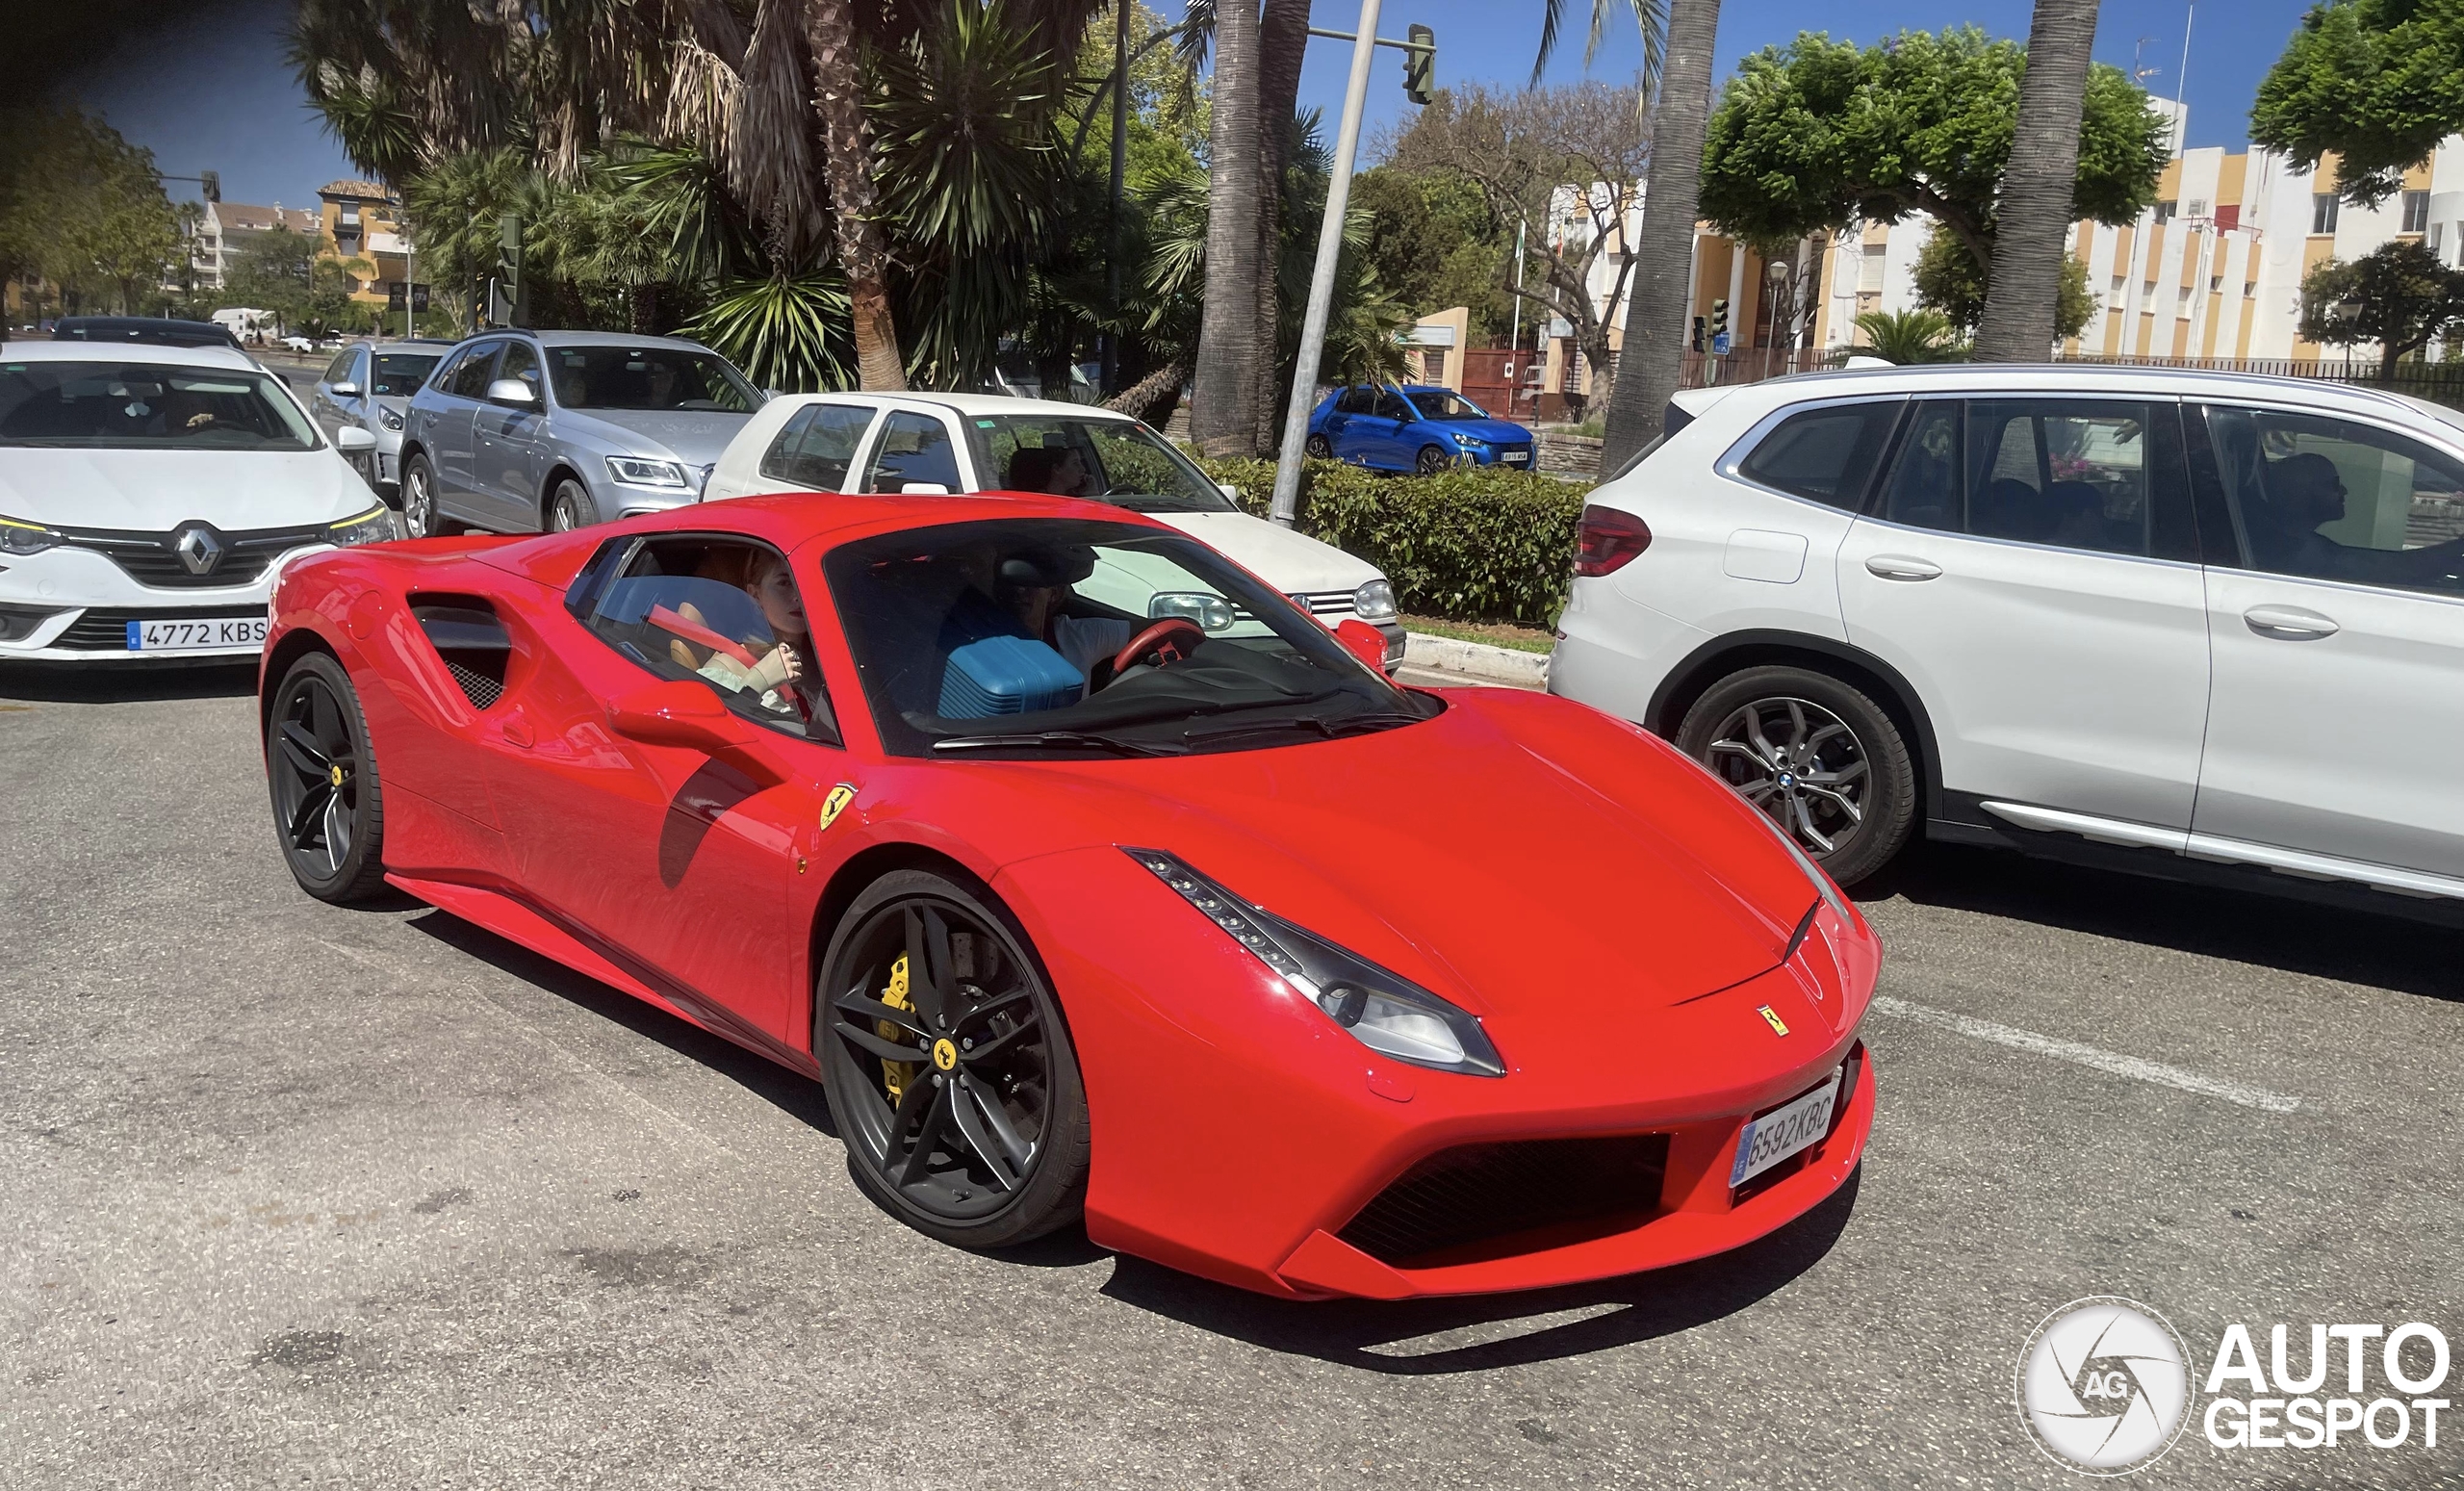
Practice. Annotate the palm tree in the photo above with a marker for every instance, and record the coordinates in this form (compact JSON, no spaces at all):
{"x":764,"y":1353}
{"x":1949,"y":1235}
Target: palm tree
{"x":1649,"y":359}
{"x":847,"y":157}
{"x":2033,"y":212}
{"x":1283,"y":36}
{"x":1223,"y":410}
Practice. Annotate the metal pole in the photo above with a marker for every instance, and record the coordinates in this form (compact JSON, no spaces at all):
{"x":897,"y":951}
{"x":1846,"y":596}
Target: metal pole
{"x":1514,"y":339}
{"x":2182,"y":83}
{"x":1322,"y":284}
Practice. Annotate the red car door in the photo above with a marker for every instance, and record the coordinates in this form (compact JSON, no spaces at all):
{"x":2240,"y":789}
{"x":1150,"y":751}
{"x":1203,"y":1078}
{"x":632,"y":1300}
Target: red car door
{"x":677,"y":865}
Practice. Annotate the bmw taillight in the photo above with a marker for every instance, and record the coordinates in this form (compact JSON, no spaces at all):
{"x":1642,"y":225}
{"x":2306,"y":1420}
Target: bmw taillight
{"x":1608,"y":540}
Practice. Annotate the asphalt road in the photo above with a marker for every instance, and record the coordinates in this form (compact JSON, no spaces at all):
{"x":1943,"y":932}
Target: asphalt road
{"x":306,"y":1197}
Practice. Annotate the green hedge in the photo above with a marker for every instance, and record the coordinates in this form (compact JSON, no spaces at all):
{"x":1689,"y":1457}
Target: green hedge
{"x":1471,"y":544}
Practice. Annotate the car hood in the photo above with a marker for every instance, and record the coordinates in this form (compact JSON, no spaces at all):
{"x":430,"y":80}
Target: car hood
{"x":154,"y":491}
{"x":1530,"y":859}
{"x":1500,"y":432}
{"x":1288,"y":560}
{"x":697,"y":437}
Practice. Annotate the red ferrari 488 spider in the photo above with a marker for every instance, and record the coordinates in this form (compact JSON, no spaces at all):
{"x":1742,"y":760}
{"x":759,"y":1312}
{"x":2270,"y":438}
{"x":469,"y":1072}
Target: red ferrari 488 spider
{"x":1096,"y":879}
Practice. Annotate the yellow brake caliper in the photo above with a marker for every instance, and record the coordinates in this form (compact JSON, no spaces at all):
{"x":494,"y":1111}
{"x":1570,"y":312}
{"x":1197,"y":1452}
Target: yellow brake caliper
{"x":895,"y":1076}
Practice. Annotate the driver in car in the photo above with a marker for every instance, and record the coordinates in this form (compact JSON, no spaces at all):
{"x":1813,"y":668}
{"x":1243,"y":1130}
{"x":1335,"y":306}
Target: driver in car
{"x":1034,"y":586}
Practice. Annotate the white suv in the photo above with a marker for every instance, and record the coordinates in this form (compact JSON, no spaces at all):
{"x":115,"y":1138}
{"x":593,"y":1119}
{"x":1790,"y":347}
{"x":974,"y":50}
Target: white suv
{"x":2215,"y":619}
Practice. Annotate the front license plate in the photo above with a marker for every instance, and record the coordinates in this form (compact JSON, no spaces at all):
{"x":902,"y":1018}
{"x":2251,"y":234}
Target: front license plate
{"x":1517,"y":457}
{"x":193,"y":634}
{"x":1783,"y":1131}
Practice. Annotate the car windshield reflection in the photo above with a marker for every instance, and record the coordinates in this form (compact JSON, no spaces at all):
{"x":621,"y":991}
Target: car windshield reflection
{"x":1036,"y":636}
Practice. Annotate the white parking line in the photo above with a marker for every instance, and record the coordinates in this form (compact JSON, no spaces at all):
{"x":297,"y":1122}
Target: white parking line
{"x":2102,"y":1060}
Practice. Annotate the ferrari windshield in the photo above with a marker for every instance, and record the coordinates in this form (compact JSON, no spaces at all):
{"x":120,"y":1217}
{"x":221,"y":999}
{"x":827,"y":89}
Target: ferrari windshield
{"x":147,"y":406}
{"x":1040,"y":636}
{"x":1436,"y":403}
{"x":1116,"y":461}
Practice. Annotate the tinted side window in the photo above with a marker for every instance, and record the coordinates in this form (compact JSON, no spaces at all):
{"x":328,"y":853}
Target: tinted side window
{"x":474,"y":372}
{"x":818,"y":446}
{"x":338,"y":369}
{"x":1354,"y":400}
{"x":521,"y":361}
{"x":913,"y":448}
{"x":725,"y":613}
{"x":1391,"y":405}
{"x":2070,"y":473}
{"x":1924,"y":485}
{"x":2328,"y":499}
{"x":1825,"y":456}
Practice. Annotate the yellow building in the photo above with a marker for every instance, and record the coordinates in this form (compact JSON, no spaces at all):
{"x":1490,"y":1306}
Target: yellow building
{"x":361,"y":220}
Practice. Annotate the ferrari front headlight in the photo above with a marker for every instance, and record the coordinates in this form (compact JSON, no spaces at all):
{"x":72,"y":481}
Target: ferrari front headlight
{"x":21,"y":537}
{"x":1381,"y":1009}
{"x":372,"y":526}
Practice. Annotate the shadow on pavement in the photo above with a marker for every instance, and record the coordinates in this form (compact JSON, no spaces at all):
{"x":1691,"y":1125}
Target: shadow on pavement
{"x":792,"y":1093}
{"x":122,"y":682}
{"x":1476,"y":1333}
{"x":2352,"y":946}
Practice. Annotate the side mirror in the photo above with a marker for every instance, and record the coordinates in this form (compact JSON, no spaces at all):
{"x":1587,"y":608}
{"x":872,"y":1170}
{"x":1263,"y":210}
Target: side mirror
{"x":1228,"y":490}
{"x":345,"y":391}
{"x":686,"y":716}
{"x":1364,"y":642}
{"x":352,"y":440}
{"x":512,"y":391}
{"x":923,"y":489}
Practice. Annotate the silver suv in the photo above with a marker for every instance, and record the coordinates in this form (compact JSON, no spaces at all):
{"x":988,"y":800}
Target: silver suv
{"x":524,"y":431}
{"x":370,"y":384}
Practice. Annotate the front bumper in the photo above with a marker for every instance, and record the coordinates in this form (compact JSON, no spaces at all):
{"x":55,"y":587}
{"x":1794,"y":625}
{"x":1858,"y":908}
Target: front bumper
{"x":70,"y":605}
{"x":1239,"y":1134}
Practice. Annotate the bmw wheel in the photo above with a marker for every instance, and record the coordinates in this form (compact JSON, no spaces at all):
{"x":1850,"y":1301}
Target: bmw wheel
{"x":1432,"y":460}
{"x":328,"y":807}
{"x":1319,"y":448}
{"x":570,"y":508}
{"x":948,"y":1069}
{"x":1825,"y":761}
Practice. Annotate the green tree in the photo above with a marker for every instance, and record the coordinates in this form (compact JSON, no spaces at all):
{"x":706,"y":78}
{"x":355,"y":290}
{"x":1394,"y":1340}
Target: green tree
{"x":1434,"y":245}
{"x":81,"y":208}
{"x":1948,"y":281}
{"x":1909,"y":337}
{"x":2398,"y":296}
{"x":275,"y":271}
{"x":2372,"y":80}
{"x":1820,"y":134}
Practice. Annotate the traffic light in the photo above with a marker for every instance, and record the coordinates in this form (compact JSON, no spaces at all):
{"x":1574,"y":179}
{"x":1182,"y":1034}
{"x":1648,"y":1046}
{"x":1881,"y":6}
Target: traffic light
{"x":1719,"y":319}
{"x":1698,"y":333}
{"x":507,"y":306}
{"x":209,"y":184}
{"x":1420,"y":64}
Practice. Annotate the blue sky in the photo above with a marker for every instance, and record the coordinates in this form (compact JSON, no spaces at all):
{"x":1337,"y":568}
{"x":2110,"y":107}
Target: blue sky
{"x":209,"y":90}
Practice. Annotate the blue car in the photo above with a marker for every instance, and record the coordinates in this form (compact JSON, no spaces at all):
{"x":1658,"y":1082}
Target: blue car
{"x":1414,"y":428}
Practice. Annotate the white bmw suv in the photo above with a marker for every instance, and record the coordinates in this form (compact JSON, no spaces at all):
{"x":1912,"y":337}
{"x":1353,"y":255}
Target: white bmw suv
{"x":2206,"y":620}
{"x":149,"y":497}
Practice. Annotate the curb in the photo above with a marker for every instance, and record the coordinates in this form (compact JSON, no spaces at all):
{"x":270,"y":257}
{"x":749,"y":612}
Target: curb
{"x":1476,"y":660}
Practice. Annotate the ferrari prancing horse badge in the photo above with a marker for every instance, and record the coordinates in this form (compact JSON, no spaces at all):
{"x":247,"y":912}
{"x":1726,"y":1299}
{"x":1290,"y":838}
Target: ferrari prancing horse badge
{"x":836,"y":803}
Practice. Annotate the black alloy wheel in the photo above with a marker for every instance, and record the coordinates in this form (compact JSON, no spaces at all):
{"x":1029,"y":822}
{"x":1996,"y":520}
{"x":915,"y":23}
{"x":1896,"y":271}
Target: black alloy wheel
{"x":1432,"y":460}
{"x":570,"y":508}
{"x":1823,"y":761}
{"x":948,"y":1068}
{"x":328,"y":808}
{"x":1319,"y":448}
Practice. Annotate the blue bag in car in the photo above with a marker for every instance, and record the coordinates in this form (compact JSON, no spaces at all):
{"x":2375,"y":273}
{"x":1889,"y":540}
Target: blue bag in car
{"x":1007,"y":675}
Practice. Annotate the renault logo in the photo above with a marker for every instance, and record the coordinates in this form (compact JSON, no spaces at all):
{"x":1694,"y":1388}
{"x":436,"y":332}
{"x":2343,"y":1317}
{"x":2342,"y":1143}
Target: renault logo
{"x":200,"y":547}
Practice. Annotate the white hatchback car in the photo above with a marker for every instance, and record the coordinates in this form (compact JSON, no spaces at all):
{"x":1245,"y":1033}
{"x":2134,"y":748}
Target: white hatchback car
{"x":2213,"y":620}
{"x":149,"y":497}
{"x":942,"y":442}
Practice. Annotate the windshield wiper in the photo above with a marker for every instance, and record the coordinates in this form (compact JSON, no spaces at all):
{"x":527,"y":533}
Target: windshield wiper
{"x":1329,"y":730}
{"x":1048,"y":739}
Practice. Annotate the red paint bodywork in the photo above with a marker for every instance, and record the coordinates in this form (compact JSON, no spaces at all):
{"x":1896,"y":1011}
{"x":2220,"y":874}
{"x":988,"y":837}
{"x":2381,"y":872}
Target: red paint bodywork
{"x":1614,"y":915}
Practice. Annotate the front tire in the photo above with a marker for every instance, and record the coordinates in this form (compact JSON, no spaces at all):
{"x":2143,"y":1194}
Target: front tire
{"x":570,"y":507}
{"x":948,"y":1068}
{"x":1319,"y":448}
{"x":329,"y":808}
{"x":1817,"y":756}
{"x":1432,"y":460}
{"x":420,"y":517}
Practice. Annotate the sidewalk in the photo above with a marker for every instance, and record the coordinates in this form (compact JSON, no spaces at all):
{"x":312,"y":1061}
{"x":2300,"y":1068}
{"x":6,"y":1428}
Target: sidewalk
{"x":1444,"y":662}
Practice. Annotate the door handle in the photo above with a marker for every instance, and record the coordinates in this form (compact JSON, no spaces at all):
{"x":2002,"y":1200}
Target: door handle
{"x":1893,"y":566}
{"x":2288,"y":622}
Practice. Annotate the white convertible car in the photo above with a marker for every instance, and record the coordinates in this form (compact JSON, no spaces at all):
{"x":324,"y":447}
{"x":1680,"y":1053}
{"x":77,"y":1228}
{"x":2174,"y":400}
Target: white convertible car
{"x":149,"y":496}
